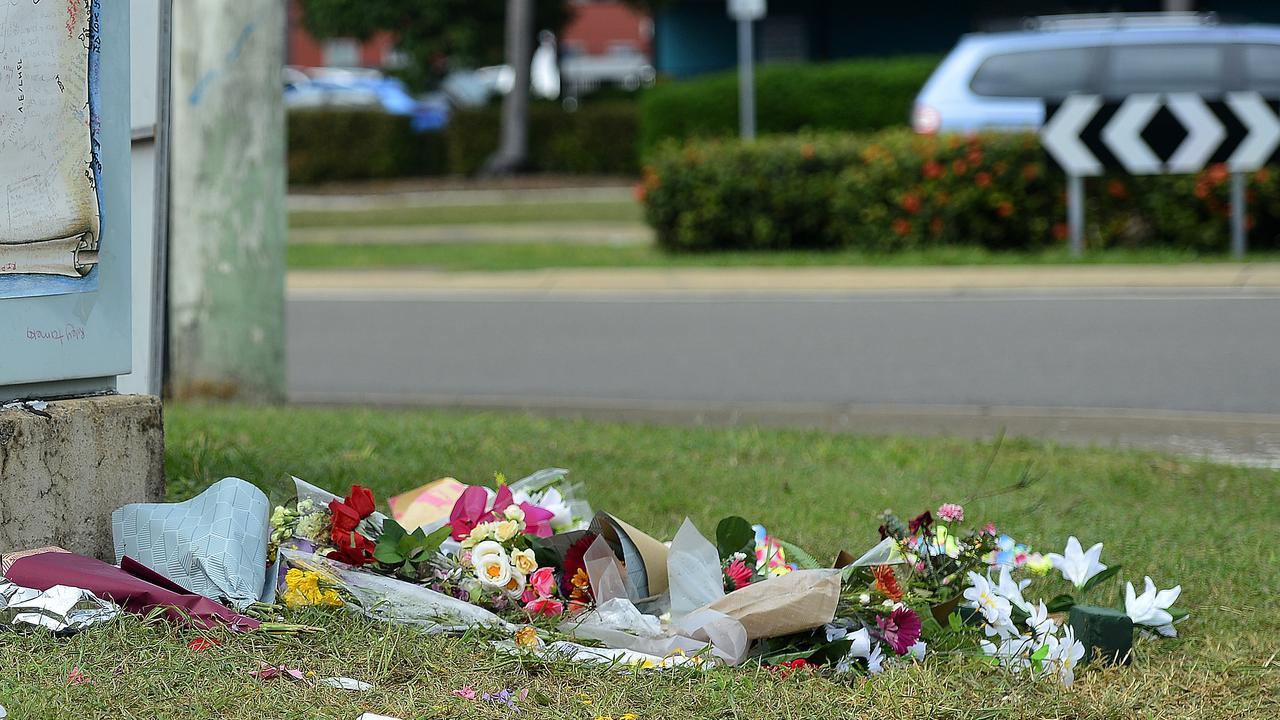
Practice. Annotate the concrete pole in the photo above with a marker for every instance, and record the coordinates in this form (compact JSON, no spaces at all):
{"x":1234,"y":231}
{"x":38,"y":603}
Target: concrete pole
{"x":513,"y":149}
{"x":227,"y":219}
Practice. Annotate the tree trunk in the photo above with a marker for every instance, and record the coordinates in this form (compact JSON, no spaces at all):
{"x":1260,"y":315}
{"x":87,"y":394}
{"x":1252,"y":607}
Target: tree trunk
{"x":513,"y":150}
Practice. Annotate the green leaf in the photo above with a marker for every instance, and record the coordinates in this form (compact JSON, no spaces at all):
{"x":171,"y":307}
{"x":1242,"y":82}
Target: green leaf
{"x":392,"y":531}
{"x":1061,"y":603}
{"x":433,"y":541}
{"x":955,"y":622}
{"x":795,"y":554}
{"x":1178,"y":613}
{"x":388,"y":553}
{"x":1100,"y":578}
{"x":734,"y":534}
{"x":1037,"y":657}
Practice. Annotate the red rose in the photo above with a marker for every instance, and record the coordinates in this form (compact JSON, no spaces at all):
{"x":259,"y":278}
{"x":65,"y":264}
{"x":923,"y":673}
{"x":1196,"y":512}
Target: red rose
{"x":911,"y":203}
{"x":901,"y":227}
{"x":932,"y":170}
{"x":344,"y":518}
{"x":351,"y":548}
{"x":982,"y":179}
{"x":361,"y":500}
{"x":1004,"y":209}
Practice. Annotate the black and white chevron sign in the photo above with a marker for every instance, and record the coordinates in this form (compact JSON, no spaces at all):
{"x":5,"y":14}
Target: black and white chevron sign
{"x":1151,"y":134}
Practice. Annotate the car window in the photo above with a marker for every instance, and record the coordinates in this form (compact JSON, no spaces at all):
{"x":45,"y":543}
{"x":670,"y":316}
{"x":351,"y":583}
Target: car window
{"x":1038,"y":73}
{"x":1167,"y":68}
{"x":1262,"y":68}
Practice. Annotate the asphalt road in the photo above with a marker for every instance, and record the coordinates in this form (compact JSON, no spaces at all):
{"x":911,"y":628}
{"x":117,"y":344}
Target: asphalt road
{"x":1201,"y":351}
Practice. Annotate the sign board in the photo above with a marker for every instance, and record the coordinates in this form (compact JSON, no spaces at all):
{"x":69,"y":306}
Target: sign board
{"x":747,"y":10}
{"x":1151,"y":134}
{"x":64,"y":196}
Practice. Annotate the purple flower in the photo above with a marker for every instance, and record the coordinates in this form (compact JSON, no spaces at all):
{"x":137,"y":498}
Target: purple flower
{"x":901,"y":629}
{"x":506,"y":697}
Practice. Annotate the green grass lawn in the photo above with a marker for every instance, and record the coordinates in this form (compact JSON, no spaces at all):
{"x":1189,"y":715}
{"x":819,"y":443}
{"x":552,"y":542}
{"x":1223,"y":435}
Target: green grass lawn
{"x":551,"y":211}
{"x":1211,"y":528}
{"x":499,"y":257}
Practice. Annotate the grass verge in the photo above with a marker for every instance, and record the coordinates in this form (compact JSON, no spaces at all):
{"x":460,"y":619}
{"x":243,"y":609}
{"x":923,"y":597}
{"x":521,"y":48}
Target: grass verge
{"x":1209,"y":527}
{"x":500,"y":257}
{"x":459,"y":214}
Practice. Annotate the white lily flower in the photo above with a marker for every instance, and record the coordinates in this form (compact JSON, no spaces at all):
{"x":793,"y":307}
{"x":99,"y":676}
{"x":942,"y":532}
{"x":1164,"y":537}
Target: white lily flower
{"x":875,"y":660}
{"x":1152,"y":607}
{"x":1066,"y":655}
{"x":1076,"y":565}
{"x":1012,"y":591}
{"x":994,"y":607}
{"x":861,"y":647}
{"x":916,"y":652}
{"x":1042,"y":626}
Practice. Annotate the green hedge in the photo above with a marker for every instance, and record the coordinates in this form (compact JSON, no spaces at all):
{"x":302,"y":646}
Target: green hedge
{"x":850,"y":96}
{"x":598,"y":138}
{"x":327,"y":145}
{"x":894,"y":191}
{"x":332,"y":145}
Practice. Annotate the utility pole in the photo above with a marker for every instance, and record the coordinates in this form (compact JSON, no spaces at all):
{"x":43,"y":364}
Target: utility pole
{"x":1179,"y":5}
{"x":513,"y":150}
{"x":227,"y":223}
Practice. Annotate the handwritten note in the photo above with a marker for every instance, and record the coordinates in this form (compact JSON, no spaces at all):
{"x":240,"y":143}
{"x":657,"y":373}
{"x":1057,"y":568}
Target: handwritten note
{"x":49,"y":223}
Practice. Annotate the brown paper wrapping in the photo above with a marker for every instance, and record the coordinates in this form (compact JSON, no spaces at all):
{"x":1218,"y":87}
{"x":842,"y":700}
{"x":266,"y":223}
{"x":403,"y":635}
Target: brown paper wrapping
{"x":652,"y":552}
{"x":800,"y":600}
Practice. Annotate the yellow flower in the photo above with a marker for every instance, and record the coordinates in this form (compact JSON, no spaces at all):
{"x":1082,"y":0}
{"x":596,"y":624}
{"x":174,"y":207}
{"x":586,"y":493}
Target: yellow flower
{"x":604,"y":717}
{"x":527,"y":637}
{"x":506,"y":530}
{"x":524,"y":561}
{"x":628,"y":716}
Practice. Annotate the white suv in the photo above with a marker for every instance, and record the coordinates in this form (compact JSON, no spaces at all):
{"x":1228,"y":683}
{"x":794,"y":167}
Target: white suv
{"x":999,"y":81}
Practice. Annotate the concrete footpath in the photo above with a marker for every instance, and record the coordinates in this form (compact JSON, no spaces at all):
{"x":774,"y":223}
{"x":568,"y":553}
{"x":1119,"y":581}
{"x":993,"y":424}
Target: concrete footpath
{"x":1264,"y":277}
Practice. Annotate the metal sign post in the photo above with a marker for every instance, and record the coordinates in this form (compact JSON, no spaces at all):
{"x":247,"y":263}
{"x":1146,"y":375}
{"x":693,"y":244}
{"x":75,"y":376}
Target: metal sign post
{"x":746,"y":12}
{"x":1133,"y":140}
{"x":1075,"y":214}
{"x":1239,"y":229}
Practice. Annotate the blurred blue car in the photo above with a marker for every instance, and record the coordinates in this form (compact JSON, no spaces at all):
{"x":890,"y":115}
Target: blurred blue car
{"x":370,"y":89}
{"x":999,"y":81}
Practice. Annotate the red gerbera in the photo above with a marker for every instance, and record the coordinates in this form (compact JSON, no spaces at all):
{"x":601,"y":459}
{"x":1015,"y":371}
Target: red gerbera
{"x":573,"y":562}
{"x":901,"y":629}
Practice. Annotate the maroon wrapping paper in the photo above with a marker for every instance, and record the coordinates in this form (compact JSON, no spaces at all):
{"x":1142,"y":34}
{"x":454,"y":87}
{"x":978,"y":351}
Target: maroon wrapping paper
{"x":133,"y":586}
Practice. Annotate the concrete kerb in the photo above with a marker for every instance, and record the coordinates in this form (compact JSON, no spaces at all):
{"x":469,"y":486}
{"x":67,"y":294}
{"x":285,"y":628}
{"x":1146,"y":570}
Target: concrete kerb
{"x":1258,"y":276}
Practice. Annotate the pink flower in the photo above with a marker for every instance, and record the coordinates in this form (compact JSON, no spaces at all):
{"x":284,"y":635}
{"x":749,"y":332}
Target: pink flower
{"x":466,"y":692}
{"x":951,"y":512}
{"x":537,"y":521}
{"x":472,"y":508}
{"x":990,"y":529}
{"x":544,"y":606}
{"x":469,"y":511}
{"x":901,"y":629}
{"x":543,"y":582}
{"x":738,"y":575}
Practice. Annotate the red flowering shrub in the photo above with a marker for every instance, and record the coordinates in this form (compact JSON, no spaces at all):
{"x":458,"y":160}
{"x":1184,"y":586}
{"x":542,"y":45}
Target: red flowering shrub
{"x":895,"y":190}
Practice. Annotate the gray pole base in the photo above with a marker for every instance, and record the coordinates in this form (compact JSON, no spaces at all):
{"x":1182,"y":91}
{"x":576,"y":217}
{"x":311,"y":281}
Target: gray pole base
{"x":61,"y":476}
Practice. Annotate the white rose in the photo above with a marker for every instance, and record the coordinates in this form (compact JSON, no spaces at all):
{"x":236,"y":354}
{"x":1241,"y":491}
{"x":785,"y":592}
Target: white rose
{"x":515,"y":586}
{"x":514,"y":512}
{"x":492,"y":570}
{"x":524,"y":561}
{"x":487,"y":548}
